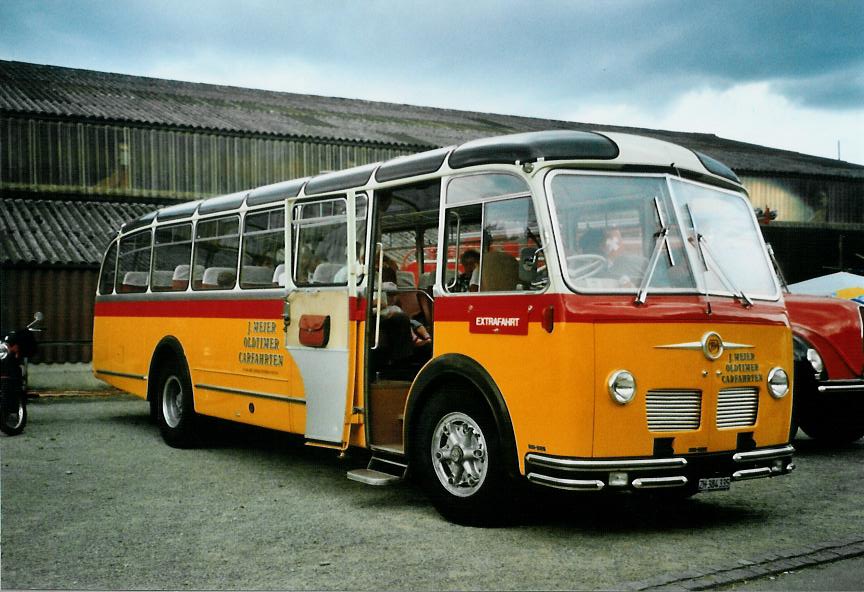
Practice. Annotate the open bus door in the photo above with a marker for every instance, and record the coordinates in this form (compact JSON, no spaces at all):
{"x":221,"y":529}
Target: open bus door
{"x":319,"y":331}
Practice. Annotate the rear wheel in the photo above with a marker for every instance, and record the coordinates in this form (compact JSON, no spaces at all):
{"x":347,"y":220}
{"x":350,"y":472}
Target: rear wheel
{"x":175,"y":408}
{"x":458,"y":454}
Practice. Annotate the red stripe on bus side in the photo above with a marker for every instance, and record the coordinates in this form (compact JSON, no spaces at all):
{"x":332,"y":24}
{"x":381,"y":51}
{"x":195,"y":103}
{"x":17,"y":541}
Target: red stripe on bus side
{"x":606,"y":309}
{"x":211,"y":309}
{"x":566,"y":308}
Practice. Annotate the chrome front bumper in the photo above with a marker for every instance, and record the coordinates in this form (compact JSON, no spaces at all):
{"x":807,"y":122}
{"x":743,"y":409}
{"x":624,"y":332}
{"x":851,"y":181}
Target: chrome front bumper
{"x":855,"y":385}
{"x":583,"y":474}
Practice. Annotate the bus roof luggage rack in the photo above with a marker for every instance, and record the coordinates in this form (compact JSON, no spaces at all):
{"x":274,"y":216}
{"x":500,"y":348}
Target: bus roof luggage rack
{"x":380,"y":471}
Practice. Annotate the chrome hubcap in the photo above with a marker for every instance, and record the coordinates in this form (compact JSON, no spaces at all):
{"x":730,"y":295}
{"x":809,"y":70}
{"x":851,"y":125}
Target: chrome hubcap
{"x":15,"y":417}
{"x":172,"y":397}
{"x":459,"y":454}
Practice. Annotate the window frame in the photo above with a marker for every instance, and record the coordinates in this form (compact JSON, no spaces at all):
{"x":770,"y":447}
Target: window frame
{"x":444,"y":246}
{"x":114,"y":244}
{"x":281,"y":232}
{"x":132,"y":236}
{"x":295,"y":233}
{"x":196,"y":245}
{"x":153,"y":269}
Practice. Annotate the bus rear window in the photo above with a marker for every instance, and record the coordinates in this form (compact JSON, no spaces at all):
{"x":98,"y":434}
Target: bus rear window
{"x":109,"y":269}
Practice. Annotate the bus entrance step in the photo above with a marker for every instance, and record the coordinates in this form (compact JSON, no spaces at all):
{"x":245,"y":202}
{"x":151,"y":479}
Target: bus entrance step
{"x":379,"y":472}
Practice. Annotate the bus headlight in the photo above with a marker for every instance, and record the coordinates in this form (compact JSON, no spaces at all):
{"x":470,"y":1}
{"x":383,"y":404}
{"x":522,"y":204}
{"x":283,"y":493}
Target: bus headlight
{"x":622,"y":386}
{"x":815,"y":360}
{"x":778,"y":382}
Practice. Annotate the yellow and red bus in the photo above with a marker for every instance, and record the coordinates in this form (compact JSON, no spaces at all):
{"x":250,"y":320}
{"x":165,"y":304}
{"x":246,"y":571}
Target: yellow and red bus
{"x":584,"y":311}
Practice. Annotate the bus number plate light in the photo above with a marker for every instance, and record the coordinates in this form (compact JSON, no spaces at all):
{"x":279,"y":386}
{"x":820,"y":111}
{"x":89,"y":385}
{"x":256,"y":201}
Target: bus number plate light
{"x":618,"y":480}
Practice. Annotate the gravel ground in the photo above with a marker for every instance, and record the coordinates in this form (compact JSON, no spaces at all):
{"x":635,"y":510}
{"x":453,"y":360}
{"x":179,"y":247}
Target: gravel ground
{"x":92,"y":499}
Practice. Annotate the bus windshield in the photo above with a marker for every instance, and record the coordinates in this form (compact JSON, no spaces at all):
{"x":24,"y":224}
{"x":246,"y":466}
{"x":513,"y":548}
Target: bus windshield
{"x":722,"y":228}
{"x":630,"y":234}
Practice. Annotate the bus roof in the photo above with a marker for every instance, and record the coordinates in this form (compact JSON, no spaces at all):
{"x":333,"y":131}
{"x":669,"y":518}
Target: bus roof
{"x":609,"y":150}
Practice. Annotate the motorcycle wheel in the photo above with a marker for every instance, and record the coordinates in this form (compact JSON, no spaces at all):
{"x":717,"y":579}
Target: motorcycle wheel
{"x":13,"y":418}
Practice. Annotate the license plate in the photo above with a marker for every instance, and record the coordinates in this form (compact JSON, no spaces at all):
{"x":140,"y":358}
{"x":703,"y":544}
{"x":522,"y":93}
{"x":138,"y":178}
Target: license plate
{"x":714,"y":484}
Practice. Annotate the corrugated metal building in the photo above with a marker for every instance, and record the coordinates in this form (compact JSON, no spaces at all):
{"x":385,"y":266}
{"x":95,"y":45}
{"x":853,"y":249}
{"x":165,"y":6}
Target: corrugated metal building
{"x":82,"y":138}
{"x":51,"y":250}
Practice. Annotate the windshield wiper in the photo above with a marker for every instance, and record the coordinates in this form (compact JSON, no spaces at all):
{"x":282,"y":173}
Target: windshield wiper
{"x":661,"y":239}
{"x":705,"y":253}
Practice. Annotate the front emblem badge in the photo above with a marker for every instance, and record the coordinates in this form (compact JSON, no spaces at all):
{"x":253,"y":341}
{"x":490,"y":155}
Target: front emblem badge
{"x":711,"y":344}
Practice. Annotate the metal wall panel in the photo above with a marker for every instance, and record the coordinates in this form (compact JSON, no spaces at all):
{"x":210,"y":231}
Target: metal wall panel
{"x":812,"y":200}
{"x":102,"y":159}
{"x":65,"y":296}
{"x":806,"y":251}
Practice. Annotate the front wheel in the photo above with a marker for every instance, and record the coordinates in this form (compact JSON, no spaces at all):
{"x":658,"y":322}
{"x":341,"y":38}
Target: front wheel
{"x":459,"y":458}
{"x":175,"y":409}
{"x":13,"y":416}
{"x":833,"y":428}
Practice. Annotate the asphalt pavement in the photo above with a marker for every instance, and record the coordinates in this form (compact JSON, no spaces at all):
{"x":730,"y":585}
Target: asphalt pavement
{"x":91,"y":498}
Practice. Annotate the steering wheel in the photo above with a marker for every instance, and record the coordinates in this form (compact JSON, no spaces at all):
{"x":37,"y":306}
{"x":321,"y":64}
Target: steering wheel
{"x":585,"y":265}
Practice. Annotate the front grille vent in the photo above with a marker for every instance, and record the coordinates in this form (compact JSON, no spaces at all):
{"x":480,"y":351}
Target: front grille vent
{"x":737,"y":407}
{"x":673,"y":410}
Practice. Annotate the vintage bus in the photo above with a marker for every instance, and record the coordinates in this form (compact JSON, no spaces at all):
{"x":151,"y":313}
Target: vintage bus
{"x":585,"y":311}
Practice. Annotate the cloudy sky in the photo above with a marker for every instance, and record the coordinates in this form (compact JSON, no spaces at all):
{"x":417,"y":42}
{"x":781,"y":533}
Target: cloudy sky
{"x":788,"y":74}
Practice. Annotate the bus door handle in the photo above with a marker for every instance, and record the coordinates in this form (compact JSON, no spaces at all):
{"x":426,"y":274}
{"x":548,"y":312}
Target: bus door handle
{"x":378,"y":291}
{"x":452,"y":284}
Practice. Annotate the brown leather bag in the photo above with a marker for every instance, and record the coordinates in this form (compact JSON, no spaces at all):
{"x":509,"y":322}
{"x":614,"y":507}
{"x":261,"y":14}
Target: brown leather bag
{"x":314,"y":330}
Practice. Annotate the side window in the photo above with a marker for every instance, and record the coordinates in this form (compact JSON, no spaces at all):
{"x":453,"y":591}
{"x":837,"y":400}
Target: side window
{"x":109,"y":269}
{"x":263,"y":262}
{"x":133,"y":264}
{"x":320,"y":241}
{"x":494,"y":246}
{"x":217,"y":246}
{"x":172,"y":253}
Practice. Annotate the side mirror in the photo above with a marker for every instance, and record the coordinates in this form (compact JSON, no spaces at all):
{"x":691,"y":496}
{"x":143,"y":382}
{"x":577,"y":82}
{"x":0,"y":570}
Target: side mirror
{"x":37,"y":318}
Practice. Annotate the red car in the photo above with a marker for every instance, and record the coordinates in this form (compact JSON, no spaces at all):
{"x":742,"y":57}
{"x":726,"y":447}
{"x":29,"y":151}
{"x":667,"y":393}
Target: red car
{"x":828,"y":336}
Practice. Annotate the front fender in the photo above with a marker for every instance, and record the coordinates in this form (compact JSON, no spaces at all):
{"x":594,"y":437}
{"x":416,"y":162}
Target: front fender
{"x":460,"y":369}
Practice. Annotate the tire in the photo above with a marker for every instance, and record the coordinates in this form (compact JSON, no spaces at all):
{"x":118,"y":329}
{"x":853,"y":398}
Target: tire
{"x":458,"y":454}
{"x":833,"y":428}
{"x":13,"y":420}
{"x":175,"y":408}
{"x":793,"y":428}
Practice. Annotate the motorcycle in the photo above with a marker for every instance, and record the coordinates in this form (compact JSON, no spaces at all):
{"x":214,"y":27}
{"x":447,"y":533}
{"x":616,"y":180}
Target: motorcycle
{"x":15,"y":348}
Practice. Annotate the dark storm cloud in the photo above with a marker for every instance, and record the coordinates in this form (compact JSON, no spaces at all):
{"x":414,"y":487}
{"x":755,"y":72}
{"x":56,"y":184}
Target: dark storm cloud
{"x":557,"y":52}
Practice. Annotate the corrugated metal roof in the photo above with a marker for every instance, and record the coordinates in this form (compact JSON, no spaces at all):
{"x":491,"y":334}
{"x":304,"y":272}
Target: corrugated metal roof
{"x":49,"y":232}
{"x":65,"y":92}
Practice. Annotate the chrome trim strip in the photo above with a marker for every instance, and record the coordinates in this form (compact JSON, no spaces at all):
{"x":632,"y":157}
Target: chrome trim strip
{"x":568,"y":484}
{"x":572,"y":464}
{"x":765,"y":454}
{"x":235,"y":293}
{"x":751,"y":474}
{"x":823,"y":388}
{"x":697,"y":345}
{"x":233,"y":391}
{"x":652,"y":482}
{"x":122,"y":374}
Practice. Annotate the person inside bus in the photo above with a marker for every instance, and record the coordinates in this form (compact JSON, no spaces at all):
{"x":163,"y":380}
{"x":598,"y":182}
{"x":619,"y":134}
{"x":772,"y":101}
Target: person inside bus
{"x":402,"y":339}
{"x":500,"y":270}
{"x":470,"y":261}
{"x":626,"y":269}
